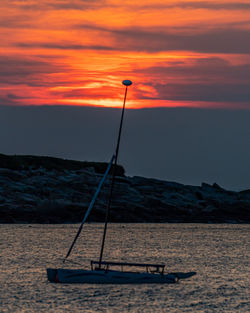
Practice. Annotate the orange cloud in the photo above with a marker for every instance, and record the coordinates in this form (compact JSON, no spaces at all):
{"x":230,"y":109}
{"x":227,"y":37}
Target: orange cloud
{"x":179,"y":53}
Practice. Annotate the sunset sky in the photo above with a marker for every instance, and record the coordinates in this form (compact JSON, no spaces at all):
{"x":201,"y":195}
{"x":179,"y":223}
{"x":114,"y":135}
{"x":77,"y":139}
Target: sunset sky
{"x":177,"y":53}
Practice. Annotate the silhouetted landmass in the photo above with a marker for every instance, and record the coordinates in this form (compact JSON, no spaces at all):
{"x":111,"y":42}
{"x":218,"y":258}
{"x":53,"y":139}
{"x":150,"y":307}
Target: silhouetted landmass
{"x":31,"y":162}
{"x":36,"y":189}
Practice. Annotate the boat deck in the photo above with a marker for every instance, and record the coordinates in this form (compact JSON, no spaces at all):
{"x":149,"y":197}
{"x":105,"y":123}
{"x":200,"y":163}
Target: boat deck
{"x":153,"y":268}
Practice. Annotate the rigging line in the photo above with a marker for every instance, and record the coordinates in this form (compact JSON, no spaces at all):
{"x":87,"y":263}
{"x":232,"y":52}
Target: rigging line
{"x":113,"y":179}
{"x":90,"y":206}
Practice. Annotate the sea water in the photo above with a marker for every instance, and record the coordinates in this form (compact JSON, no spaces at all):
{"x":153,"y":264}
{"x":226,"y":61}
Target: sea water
{"x":219,"y":253}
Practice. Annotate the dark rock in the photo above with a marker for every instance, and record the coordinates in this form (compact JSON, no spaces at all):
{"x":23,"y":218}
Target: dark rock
{"x":216,"y":186}
{"x":199,"y":195}
{"x":52,"y":190}
{"x":12,"y":175}
{"x":31,"y":162}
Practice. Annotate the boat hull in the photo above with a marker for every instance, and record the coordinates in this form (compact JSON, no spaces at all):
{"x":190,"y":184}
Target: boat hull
{"x":112,"y":277}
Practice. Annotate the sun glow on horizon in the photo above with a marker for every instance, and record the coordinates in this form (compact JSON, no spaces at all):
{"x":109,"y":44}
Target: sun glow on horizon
{"x":78,"y":53}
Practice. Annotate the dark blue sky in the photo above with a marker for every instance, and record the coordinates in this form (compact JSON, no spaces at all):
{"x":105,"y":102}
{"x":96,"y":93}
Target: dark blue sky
{"x":177,"y":144}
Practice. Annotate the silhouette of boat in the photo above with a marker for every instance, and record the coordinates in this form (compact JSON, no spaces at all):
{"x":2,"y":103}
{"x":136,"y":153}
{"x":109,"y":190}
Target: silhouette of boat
{"x":100,"y":271}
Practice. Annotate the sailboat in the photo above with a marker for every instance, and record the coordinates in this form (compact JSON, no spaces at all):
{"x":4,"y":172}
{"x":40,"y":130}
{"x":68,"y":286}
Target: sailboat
{"x":105,"y":272}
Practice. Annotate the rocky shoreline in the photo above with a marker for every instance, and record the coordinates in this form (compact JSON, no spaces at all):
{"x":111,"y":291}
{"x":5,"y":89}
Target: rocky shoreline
{"x":50,"y":190}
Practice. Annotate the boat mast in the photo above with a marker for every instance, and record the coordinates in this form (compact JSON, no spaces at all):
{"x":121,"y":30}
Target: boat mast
{"x":90,"y":206}
{"x":125,"y":83}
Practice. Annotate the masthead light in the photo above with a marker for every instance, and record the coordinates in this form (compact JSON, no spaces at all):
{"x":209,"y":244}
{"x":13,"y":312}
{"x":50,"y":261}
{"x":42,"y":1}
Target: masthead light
{"x":127,"y":82}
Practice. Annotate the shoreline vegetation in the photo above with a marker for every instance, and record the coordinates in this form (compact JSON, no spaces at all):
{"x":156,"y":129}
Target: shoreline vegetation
{"x":39,"y":189}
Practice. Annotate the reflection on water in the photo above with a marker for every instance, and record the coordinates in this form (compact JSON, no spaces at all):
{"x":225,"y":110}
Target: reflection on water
{"x":218,"y":253}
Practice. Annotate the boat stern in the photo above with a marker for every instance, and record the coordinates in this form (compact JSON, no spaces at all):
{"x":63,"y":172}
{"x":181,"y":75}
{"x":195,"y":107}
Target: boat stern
{"x":52,"y":275}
